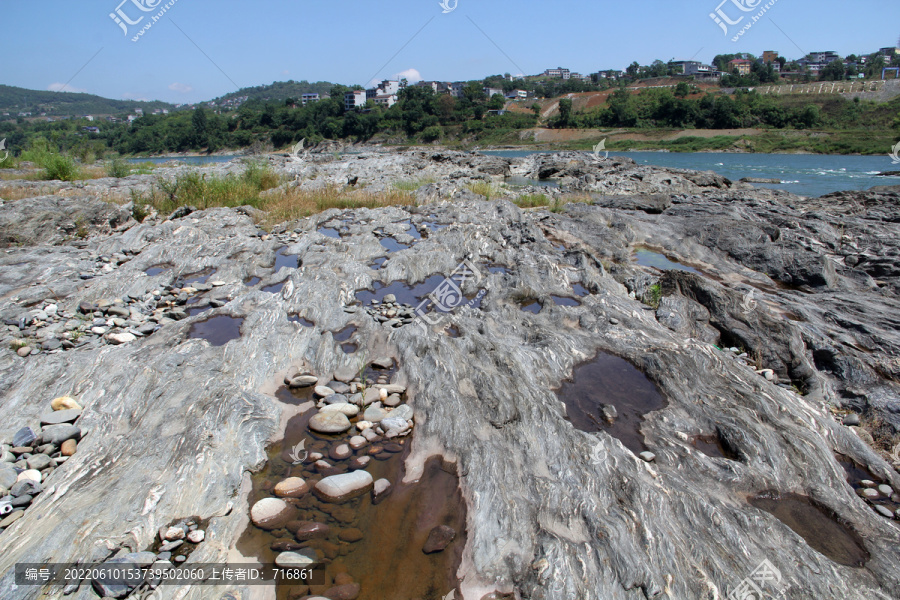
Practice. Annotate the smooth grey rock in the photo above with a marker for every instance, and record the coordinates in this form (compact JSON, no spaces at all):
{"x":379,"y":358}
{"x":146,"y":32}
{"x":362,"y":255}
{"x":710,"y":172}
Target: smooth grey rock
{"x":851,"y":420}
{"x":58,"y":417}
{"x":884,"y":511}
{"x":296,"y":560}
{"x":25,"y":487}
{"x":374,"y":414}
{"x":404,"y":411}
{"x":57,"y":434}
{"x":329,"y":422}
{"x":337,"y":488}
{"x":8,"y":475}
{"x":345,"y":373}
{"x":38,"y":462}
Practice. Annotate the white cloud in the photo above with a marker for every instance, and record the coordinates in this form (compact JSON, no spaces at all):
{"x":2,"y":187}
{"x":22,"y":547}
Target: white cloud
{"x":181,"y":88}
{"x":411,"y":75}
{"x":285,"y":72}
{"x":62,"y":87}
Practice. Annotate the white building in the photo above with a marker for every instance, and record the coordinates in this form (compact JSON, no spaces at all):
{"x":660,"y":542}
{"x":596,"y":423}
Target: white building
{"x":307,"y":98}
{"x":355,"y":99}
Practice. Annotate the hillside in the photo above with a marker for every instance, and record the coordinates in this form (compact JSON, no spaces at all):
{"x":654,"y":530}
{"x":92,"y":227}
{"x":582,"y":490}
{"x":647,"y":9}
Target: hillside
{"x":15,"y":100}
{"x":279,"y":90}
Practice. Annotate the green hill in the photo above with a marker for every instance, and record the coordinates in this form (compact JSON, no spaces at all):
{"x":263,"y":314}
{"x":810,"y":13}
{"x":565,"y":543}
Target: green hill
{"x":278,"y":91}
{"x":15,"y":100}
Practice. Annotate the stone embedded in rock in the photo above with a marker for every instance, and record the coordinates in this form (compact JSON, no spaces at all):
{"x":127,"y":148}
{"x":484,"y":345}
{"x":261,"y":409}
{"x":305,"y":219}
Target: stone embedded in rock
{"x":271,"y":513}
{"x":438,"y":539}
{"x":330,"y":422}
{"x":292,"y":487}
{"x":345,"y":486}
{"x":59,"y":417}
{"x":395,"y":424}
{"x":647,"y":456}
{"x":851,"y":420}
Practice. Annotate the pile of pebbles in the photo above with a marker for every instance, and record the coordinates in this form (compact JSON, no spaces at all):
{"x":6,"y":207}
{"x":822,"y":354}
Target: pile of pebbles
{"x":364,"y":420}
{"x":118,"y":321}
{"x":390,"y":312}
{"x":30,"y":458}
{"x":872,"y":491}
{"x":175,"y":544}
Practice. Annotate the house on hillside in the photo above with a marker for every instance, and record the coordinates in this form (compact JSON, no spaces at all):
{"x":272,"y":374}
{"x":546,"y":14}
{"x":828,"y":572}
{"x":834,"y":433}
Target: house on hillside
{"x":517,"y":95}
{"x":489,"y":91}
{"x":307,"y":98}
{"x":355,"y":99}
{"x":558,"y":73}
{"x":742,"y":65}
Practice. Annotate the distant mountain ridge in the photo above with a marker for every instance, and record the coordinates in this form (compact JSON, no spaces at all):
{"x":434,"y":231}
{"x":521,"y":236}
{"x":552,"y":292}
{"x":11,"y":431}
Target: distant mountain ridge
{"x":15,"y":100}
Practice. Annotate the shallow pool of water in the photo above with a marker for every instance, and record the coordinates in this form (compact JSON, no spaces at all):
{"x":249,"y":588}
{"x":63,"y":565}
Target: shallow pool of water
{"x":252,"y":281}
{"x":580,"y":290}
{"x":198,"y":277}
{"x":301,"y":320}
{"x":392,"y":245}
{"x":329,"y":232}
{"x":218,"y":331}
{"x":648,"y":258}
{"x":565,"y":301}
{"x":154,"y":271}
{"x":274,"y":288}
{"x":378,"y":263}
{"x":282,"y":259}
{"x":610,"y":380}
{"x":815,"y":524}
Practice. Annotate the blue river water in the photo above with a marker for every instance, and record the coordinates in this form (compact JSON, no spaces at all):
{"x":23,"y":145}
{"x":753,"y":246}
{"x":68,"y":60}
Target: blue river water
{"x":803,"y":174}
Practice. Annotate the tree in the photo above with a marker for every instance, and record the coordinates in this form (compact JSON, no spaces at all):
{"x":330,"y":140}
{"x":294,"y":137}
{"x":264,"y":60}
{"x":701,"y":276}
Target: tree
{"x":682,"y":90}
{"x":565,"y":112}
{"x":833,"y":71}
{"x":633,"y":69}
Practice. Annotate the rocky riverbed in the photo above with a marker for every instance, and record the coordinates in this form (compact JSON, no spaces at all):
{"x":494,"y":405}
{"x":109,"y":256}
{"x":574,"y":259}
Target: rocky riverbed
{"x":599,"y":425}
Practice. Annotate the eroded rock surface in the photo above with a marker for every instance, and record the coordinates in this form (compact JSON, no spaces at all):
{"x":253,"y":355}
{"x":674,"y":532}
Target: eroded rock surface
{"x":172,"y":424}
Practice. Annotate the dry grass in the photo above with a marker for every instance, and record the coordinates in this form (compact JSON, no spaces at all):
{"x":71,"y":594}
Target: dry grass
{"x":296,"y":203}
{"x":554,"y":205}
{"x":17,"y":193}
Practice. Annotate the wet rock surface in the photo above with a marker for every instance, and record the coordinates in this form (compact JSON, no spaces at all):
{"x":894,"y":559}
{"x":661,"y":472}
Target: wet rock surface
{"x":789,"y":326}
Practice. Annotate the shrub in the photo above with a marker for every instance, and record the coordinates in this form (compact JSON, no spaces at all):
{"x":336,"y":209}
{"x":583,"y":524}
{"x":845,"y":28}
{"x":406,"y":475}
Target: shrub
{"x":118,"y":168}
{"x":59,"y":167}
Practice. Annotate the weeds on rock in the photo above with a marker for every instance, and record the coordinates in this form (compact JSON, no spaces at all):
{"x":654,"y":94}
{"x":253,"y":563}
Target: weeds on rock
{"x":653,"y":295}
{"x":118,"y":168}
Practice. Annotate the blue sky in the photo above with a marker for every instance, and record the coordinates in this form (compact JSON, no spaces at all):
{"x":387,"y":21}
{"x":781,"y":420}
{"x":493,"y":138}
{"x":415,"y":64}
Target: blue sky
{"x":224,"y":44}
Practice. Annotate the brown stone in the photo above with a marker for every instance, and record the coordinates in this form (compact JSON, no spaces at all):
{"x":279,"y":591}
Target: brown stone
{"x":311,"y":531}
{"x":348,"y":591}
{"x":343,"y":579}
{"x":350,"y":535}
{"x":438,"y":539}
{"x":68,"y":447}
{"x":285,"y":545}
{"x":292,"y":487}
